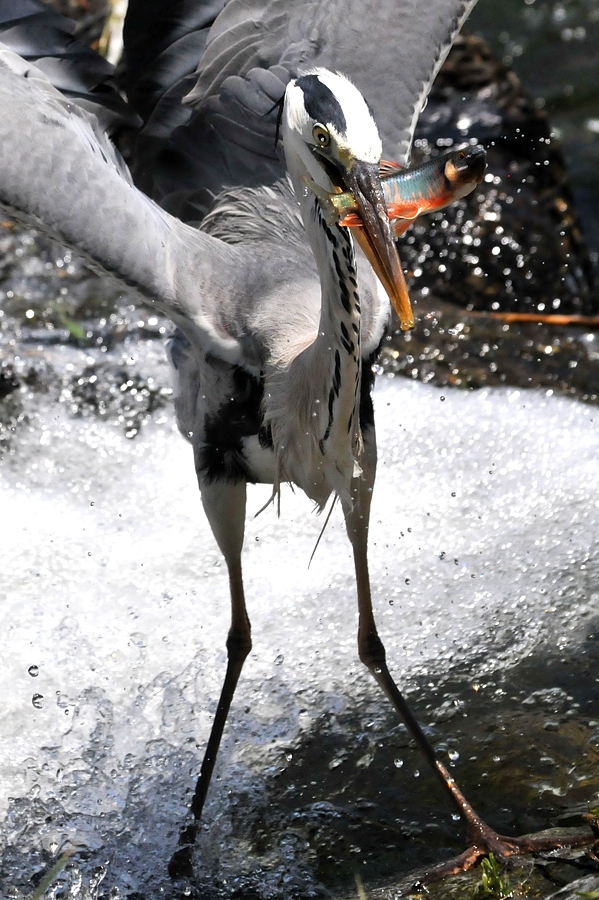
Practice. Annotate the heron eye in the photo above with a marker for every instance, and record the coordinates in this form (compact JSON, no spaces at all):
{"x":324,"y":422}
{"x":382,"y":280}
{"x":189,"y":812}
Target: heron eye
{"x":321,"y":136}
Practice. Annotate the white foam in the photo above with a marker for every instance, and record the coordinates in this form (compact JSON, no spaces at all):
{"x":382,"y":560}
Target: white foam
{"x":483,"y":523}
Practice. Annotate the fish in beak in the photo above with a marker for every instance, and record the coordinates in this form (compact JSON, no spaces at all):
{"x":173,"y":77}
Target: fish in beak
{"x":410,"y":192}
{"x":373,"y":206}
{"x":375,"y":236}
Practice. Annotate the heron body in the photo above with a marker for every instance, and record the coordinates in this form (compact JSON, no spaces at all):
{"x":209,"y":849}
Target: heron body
{"x":279,"y":315}
{"x":238,"y":419}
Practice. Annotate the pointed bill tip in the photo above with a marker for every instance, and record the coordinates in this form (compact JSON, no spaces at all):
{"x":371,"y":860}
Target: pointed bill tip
{"x":391,"y":277}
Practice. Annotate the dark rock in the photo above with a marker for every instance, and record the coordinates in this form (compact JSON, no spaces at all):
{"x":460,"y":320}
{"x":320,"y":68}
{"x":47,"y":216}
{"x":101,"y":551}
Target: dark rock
{"x":8,"y":381}
{"x":515,"y":243}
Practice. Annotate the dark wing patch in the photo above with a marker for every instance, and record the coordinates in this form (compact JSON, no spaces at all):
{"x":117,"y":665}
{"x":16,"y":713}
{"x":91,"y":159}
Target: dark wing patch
{"x":45,"y":38}
{"x":228,"y":141}
{"x":220,"y":455}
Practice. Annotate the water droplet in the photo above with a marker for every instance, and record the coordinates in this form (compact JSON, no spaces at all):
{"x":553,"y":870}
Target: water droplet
{"x":279,"y":659}
{"x":441,"y":399}
{"x":453,"y":754}
{"x":138,"y":639}
{"x":38,"y":700}
{"x":398,"y":762}
{"x":407,"y":580}
{"x":33,"y":671}
{"x":551,"y":726}
{"x":416,"y":773}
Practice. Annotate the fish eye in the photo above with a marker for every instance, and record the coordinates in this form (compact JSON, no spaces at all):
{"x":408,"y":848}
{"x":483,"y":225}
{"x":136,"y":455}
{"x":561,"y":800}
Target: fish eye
{"x":321,"y":135}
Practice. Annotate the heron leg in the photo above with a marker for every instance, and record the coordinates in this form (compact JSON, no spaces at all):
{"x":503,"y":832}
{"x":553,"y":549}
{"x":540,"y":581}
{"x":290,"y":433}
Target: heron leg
{"x":224,"y":503}
{"x":481,"y":837}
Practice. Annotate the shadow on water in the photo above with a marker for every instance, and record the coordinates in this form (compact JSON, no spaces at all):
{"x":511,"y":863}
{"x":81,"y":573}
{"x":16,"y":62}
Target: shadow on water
{"x":301,"y":813}
{"x":353,"y":795}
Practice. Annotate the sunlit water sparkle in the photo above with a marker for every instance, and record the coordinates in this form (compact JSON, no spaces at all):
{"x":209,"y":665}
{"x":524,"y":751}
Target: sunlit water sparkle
{"x":482,"y":549}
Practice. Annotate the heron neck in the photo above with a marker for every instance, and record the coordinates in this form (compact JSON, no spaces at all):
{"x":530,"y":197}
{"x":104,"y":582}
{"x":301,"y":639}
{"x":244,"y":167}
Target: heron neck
{"x":337,"y":349}
{"x":313,"y":407}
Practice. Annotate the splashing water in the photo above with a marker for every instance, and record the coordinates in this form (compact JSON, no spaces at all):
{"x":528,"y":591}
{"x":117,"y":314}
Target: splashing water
{"x":116,"y":599}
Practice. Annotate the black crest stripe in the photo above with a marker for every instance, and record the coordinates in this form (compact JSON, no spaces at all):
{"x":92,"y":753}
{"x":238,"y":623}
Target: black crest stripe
{"x":321,"y":103}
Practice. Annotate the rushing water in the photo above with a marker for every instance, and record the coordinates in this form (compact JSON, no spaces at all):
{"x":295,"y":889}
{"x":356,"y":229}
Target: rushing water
{"x":115,"y":612}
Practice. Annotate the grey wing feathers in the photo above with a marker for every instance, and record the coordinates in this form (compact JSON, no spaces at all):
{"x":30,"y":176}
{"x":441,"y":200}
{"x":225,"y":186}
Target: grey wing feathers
{"x":228,"y":142}
{"x":253,"y":47}
{"x":61,"y":173}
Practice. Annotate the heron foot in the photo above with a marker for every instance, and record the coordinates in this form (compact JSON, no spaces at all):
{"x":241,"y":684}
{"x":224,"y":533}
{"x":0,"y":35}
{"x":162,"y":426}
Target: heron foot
{"x":484,"y":841}
{"x":181,"y":862}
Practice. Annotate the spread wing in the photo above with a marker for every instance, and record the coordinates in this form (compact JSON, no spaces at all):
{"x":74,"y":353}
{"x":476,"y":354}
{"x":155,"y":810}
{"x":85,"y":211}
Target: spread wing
{"x":246,"y":51}
{"x":60,"y":172}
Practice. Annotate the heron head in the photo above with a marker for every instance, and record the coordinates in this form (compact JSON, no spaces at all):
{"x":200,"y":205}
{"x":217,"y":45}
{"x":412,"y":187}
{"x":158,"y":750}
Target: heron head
{"x":327,"y":122}
{"x":330,"y":135}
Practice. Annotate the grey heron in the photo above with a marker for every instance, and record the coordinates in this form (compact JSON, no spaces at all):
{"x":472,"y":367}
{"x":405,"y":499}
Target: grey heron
{"x":278,"y":317}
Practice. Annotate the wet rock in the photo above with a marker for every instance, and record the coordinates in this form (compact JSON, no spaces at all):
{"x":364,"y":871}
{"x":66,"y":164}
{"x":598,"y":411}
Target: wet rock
{"x":12,"y":415}
{"x":515,"y":243}
{"x":105,"y":391}
{"x":582,"y":889}
{"x":8,"y":381}
{"x":126,"y":384}
{"x":470,"y":350}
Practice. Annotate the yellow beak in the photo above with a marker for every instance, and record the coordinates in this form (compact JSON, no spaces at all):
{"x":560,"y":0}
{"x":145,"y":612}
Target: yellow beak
{"x":375,"y":237}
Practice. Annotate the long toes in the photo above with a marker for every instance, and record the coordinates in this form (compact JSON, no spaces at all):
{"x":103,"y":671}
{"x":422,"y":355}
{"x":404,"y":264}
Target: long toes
{"x":487,"y":841}
{"x":483,"y":841}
